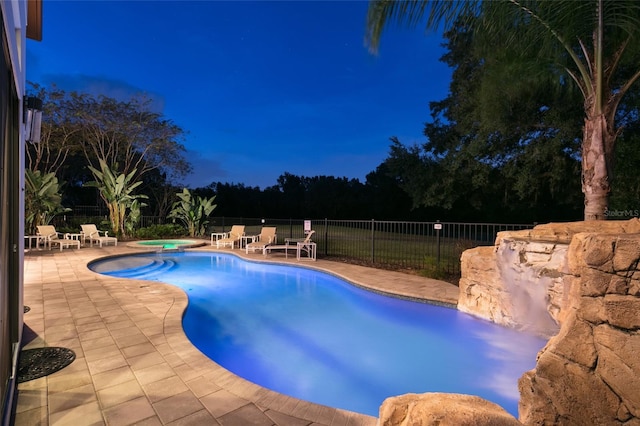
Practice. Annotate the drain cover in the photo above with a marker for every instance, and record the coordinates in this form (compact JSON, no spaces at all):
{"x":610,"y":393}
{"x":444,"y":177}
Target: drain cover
{"x":40,"y":362}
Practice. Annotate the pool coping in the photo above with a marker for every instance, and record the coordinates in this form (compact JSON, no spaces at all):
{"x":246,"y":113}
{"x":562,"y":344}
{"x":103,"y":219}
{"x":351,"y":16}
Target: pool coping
{"x":209,"y":382}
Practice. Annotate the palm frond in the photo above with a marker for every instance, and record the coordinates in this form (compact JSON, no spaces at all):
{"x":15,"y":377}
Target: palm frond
{"x":411,"y":12}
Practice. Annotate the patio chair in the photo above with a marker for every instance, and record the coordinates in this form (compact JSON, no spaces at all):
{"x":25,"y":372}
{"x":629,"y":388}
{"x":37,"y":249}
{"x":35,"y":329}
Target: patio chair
{"x":307,"y":246}
{"x":51,"y":237}
{"x":299,"y":245}
{"x":90,"y":232}
{"x":267,"y":236}
{"x":234,"y":236}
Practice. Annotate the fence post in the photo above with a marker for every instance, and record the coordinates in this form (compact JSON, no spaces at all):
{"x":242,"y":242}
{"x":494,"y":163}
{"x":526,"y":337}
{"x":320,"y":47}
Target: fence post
{"x":373,"y":241}
{"x":437,"y":226}
{"x":326,"y":237}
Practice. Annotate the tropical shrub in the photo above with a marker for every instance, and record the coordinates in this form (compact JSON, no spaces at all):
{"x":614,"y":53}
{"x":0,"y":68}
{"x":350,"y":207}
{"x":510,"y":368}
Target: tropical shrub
{"x":133,"y":218}
{"x":117,"y":193}
{"x":170,"y":230}
{"x":42,"y":199}
{"x":193,"y":211}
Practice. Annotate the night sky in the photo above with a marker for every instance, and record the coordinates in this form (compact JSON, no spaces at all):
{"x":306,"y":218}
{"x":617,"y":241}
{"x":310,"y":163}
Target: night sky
{"x":260,"y":87}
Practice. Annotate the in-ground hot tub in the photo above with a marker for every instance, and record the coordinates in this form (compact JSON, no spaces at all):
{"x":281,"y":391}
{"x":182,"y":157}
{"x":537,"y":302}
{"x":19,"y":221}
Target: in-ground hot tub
{"x":167,"y":244}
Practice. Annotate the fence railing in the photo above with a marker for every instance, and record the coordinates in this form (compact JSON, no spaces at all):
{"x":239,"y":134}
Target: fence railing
{"x":421,"y":246}
{"x":434,"y":247}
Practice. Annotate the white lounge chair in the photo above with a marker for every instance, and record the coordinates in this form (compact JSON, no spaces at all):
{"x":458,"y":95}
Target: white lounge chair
{"x":267,"y":236}
{"x":299,"y":245}
{"x":90,"y":232}
{"x":52,"y":237}
{"x":233,"y":236}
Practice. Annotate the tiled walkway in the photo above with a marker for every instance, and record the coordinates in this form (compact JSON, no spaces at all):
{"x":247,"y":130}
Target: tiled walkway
{"x":134,"y":364}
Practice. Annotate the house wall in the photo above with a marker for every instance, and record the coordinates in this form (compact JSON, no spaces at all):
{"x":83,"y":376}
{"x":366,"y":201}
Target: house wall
{"x":12,"y":85}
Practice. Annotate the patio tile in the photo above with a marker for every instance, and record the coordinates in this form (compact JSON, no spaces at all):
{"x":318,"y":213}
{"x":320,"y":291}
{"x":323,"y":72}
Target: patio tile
{"x":177,"y":406}
{"x":199,"y":418}
{"x":145,"y":360}
{"x":90,"y":319}
{"x":131,"y":340}
{"x":120,"y":393}
{"x":281,"y":419}
{"x":130,"y":412}
{"x":154,"y":373}
{"x":84,"y":327}
{"x":71,"y":398}
{"x":28,"y":399}
{"x":141,"y":349}
{"x":186,"y":372}
{"x":62,"y":381}
{"x":86,"y":415}
{"x":96,"y":353}
{"x":119,"y":325}
{"x":99,"y":342}
{"x":113,"y":377}
{"x":202,"y":386}
{"x":246,"y":415}
{"x":34,"y":416}
{"x":107,"y":363}
{"x":165,"y":388}
{"x":222,"y":402}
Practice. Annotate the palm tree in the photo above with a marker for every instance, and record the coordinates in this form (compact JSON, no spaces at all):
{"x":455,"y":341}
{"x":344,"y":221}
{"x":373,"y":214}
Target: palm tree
{"x":594,"y":42}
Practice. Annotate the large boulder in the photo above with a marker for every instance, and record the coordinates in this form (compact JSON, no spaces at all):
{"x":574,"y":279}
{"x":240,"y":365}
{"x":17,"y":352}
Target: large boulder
{"x":443,"y":409}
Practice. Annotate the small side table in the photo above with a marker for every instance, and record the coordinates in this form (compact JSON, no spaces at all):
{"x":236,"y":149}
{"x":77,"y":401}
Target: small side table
{"x":77,"y":237}
{"x":215,"y":236}
{"x":310,"y":248}
{"x":244,"y":240}
{"x":38,"y":238}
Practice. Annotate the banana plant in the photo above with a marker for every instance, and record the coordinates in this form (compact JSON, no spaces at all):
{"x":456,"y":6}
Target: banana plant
{"x":133,"y":218}
{"x":193,"y":211}
{"x":42,"y":199}
{"x":117,"y":191}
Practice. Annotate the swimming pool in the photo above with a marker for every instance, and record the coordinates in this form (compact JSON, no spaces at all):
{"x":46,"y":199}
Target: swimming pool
{"x":315,"y":337}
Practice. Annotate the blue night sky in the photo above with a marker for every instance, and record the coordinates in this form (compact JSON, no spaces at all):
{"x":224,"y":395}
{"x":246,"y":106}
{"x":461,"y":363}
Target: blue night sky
{"x":260,"y":88}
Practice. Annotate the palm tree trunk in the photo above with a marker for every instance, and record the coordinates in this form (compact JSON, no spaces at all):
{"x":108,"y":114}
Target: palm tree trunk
{"x":596,"y":161}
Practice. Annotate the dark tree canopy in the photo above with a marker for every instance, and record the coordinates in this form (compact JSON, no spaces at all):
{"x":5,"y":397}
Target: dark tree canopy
{"x":80,"y":130}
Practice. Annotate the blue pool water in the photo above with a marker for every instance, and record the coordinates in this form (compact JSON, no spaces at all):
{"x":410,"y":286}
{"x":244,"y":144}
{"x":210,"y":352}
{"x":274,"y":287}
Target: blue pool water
{"x":313,"y":336}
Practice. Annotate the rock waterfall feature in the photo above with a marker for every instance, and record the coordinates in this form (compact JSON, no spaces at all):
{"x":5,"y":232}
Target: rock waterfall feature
{"x":578,"y":283}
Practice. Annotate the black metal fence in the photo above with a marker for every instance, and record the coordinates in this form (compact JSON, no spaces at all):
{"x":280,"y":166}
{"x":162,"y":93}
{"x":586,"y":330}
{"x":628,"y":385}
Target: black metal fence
{"x":433,"y":247}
